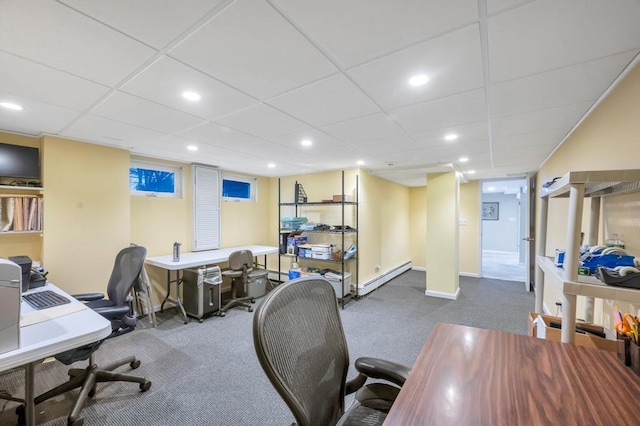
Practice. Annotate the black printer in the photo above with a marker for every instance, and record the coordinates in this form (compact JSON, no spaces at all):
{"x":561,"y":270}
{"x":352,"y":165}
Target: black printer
{"x":30,"y":278}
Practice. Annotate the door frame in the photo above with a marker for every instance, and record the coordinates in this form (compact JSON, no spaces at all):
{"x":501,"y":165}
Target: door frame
{"x":525,"y":202}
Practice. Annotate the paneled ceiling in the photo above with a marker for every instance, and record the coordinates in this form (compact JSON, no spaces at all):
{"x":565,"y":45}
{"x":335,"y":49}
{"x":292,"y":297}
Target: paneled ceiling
{"x":508,"y":78}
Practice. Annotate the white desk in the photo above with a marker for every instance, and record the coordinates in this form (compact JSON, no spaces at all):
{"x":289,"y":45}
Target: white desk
{"x":51,"y":337}
{"x":196,"y":259}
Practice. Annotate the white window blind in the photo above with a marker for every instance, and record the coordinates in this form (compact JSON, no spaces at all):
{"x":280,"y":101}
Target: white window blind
{"x":206,"y":208}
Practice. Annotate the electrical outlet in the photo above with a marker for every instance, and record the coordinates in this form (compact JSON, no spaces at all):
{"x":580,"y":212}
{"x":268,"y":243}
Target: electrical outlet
{"x":462,"y":222}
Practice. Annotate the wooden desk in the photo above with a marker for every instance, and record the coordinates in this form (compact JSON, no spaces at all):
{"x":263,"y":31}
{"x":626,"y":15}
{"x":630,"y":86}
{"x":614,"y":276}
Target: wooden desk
{"x":196,"y":259}
{"x":41,"y":339}
{"x":470,"y":376}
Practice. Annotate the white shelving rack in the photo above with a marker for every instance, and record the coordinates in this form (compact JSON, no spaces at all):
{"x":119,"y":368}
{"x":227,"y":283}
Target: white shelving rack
{"x":576,"y":186}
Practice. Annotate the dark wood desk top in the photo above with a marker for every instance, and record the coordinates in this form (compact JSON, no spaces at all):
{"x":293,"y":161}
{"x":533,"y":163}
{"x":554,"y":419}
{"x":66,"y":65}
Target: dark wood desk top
{"x":470,"y":376}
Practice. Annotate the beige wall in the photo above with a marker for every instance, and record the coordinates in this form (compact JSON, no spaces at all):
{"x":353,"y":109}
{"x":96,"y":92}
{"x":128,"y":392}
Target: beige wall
{"x":86,"y":212}
{"x":20,"y":244}
{"x":443,"y":198}
{"x":607,"y":139}
{"x":470,"y":233}
{"x":418,"y":226}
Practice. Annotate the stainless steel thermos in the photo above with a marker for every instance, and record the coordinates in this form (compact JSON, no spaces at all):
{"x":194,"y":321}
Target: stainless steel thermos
{"x":176,"y":252}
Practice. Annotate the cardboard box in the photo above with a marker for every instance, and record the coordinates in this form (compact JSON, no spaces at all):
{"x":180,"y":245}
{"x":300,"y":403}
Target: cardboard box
{"x":540,"y":326}
{"x":338,"y":198}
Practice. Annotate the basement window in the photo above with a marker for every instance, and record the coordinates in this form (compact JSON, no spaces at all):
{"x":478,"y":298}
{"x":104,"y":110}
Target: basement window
{"x":155,"y":180}
{"x":239,"y":188}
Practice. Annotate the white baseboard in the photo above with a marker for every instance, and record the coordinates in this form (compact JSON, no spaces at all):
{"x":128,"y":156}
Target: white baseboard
{"x":418,"y":268}
{"x":469,"y":274}
{"x":451,"y":296}
{"x":369,"y":286}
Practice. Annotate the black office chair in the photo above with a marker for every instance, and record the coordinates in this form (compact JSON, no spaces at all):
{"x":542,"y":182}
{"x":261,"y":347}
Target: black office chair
{"x":300,"y":343}
{"x":240,"y":265}
{"x":117,"y":309}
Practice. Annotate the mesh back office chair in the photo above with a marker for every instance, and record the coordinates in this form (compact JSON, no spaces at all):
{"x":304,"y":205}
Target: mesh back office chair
{"x":300,"y":343}
{"x":240,"y":264}
{"x":117,"y":309}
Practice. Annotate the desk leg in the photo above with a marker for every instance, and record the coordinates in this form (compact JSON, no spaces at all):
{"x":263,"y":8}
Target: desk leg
{"x":178,"y":301}
{"x":29,"y":406}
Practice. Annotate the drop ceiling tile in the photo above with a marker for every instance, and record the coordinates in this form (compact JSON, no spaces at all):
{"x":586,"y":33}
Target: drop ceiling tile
{"x":326,"y":101}
{"x":531,"y":122}
{"x":263,"y":121}
{"x":548,"y":34}
{"x":367,"y":29}
{"x":35,"y":81}
{"x":495,"y":6}
{"x":139,"y":112}
{"x":215,"y":135}
{"x":452,"y":62}
{"x":465,"y":132}
{"x":371,"y":127}
{"x":321,"y":142}
{"x":546,"y":137}
{"x":155,"y":22}
{"x":36,"y":117}
{"x":444,"y":112}
{"x":574,"y":84}
{"x":382,"y":146}
{"x":55,"y":35}
{"x":90,"y":128}
{"x":166,"y":80}
{"x":252,"y":48}
{"x":506,"y":156}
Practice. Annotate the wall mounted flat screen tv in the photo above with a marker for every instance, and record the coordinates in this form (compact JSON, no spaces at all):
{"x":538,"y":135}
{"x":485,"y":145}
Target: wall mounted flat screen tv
{"x":19,"y":161}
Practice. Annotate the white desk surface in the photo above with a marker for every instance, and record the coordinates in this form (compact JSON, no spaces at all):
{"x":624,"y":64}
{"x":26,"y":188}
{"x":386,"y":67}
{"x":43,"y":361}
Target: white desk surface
{"x":75,"y":326}
{"x":200,"y":258}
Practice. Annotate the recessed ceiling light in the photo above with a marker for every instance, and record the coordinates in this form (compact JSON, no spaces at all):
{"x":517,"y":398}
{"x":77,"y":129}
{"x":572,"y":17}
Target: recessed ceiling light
{"x":9,"y":105}
{"x":360,"y":162}
{"x":192,"y":148}
{"x":191,"y":96}
{"x":418,"y":80}
{"x":271,"y":165}
{"x":471,"y":172}
{"x":306,"y":142}
{"x":450,"y":137}
{"x":463,"y":159}
{"x":491,"y":188}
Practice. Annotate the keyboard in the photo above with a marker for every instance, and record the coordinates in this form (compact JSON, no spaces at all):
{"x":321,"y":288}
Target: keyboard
{"x":45,"y":299}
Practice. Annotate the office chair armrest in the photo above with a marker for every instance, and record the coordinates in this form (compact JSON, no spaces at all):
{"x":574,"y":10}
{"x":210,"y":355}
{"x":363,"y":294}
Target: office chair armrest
{"x":381,"y":369}
{"x":87,"y":297}
{"x":113,"y":312}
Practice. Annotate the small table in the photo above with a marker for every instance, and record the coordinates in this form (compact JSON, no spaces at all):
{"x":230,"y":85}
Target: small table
{"x":465,"y":375}
{"x":196,"y":259}
{"x":50,"y":337}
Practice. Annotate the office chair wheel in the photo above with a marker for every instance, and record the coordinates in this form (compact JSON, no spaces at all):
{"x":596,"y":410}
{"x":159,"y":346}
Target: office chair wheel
{"x":201,"y":320}
{"x":253,"y":300}
{"x":250,"y":309}
{"x":75,"y":422}
{"x":22,"y":418}
{"x":145,"y":386}
{"x":221,"y":314}
{"x":134,"y":364}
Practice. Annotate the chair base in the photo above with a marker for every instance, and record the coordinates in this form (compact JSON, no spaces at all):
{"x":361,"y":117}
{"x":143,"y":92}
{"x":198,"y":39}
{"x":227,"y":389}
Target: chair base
{"x":244,"y":302}
{"x":236,"y":301}
{"x":87,"y":379}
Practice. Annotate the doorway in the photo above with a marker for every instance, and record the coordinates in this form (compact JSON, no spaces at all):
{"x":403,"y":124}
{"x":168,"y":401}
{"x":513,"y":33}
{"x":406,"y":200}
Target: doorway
{"x":504,"y":225}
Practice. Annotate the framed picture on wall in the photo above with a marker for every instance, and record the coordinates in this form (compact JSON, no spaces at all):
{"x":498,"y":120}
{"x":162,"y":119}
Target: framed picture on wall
{"x":490,"y":211}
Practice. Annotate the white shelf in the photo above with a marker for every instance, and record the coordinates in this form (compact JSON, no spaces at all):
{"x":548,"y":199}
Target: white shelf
{"x":576,"y":186}
{"x":597,"y":183}
{"x":587,"y":285}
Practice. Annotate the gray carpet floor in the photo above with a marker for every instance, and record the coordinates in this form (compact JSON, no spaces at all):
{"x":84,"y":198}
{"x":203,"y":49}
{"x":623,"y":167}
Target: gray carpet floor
{"x":207,"y":373}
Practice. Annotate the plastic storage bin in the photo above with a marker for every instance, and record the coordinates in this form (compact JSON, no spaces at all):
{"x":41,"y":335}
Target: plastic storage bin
{"x":340,"y":287}
{"x":256,"y":283}
{"x":201,"y":291}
